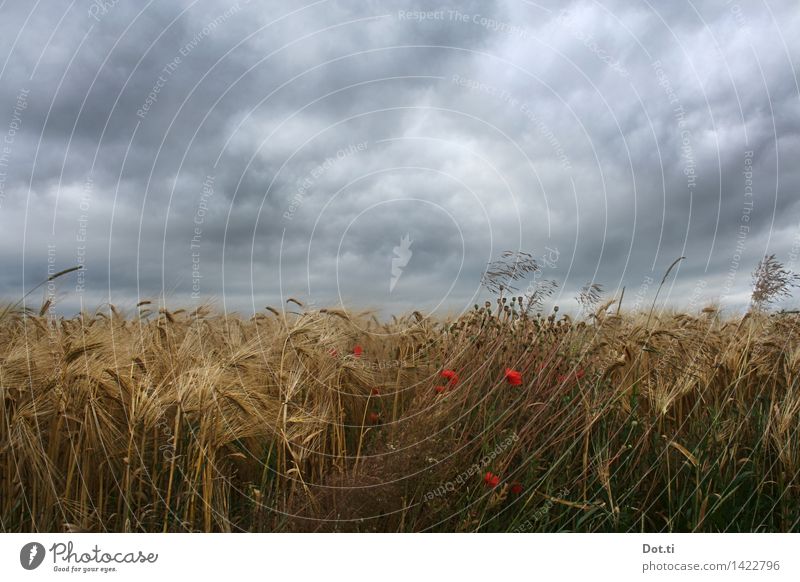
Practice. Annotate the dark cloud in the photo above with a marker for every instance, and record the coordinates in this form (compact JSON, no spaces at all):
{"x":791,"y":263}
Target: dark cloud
{"x":250,"y":151}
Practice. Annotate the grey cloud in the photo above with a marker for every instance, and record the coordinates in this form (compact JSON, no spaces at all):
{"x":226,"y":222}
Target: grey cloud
{"x":500,"y":107}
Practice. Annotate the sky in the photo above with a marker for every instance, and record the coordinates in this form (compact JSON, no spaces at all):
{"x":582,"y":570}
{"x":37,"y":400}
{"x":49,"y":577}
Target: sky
{"x":379,"y":154}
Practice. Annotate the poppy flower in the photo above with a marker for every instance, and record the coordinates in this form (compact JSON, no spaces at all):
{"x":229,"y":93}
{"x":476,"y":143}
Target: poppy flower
{"x":440,"y":389}
{"x":374,"y":418}
{"x":451,"y":376}
{"x":516,"y":488}
{"x":562,"y":379}
{"x":580,"y":373}
{"x":376,"y":392}
{"x":491,"y":480}
{"x":513,"y":377}
{"x":357,"y":351}
{"x":333,"y":352}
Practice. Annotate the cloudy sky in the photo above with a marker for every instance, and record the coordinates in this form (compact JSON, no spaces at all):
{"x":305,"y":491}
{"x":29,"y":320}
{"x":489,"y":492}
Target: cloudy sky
{"x":380,"y":153}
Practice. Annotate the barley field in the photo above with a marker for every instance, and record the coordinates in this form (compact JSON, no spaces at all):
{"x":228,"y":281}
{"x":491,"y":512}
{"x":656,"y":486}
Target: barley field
{"x":497,"y":420}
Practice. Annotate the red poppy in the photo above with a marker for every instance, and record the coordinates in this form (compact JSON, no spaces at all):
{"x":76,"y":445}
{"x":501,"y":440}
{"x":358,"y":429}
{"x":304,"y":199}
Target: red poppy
{"x":513,"y":377}
{"x":491,"y":480}
{"x":580,"y":373}
{"x":333,"y":352}
{"x":562,"y":379}
{"x":376,"y":392}
{"x":440,"y":389}
{"x":357,"y":351}
{"x":516,"y":488}
{"x":451,"y":376}
{"x":374,"y":418}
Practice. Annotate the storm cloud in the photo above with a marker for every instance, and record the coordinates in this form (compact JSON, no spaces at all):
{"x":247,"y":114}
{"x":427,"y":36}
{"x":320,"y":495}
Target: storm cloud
{"x":245,"y":152}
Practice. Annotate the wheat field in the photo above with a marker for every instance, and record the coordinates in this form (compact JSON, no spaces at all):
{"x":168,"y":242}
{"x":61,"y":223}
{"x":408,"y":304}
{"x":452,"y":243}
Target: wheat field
{"x":324,"y":420}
